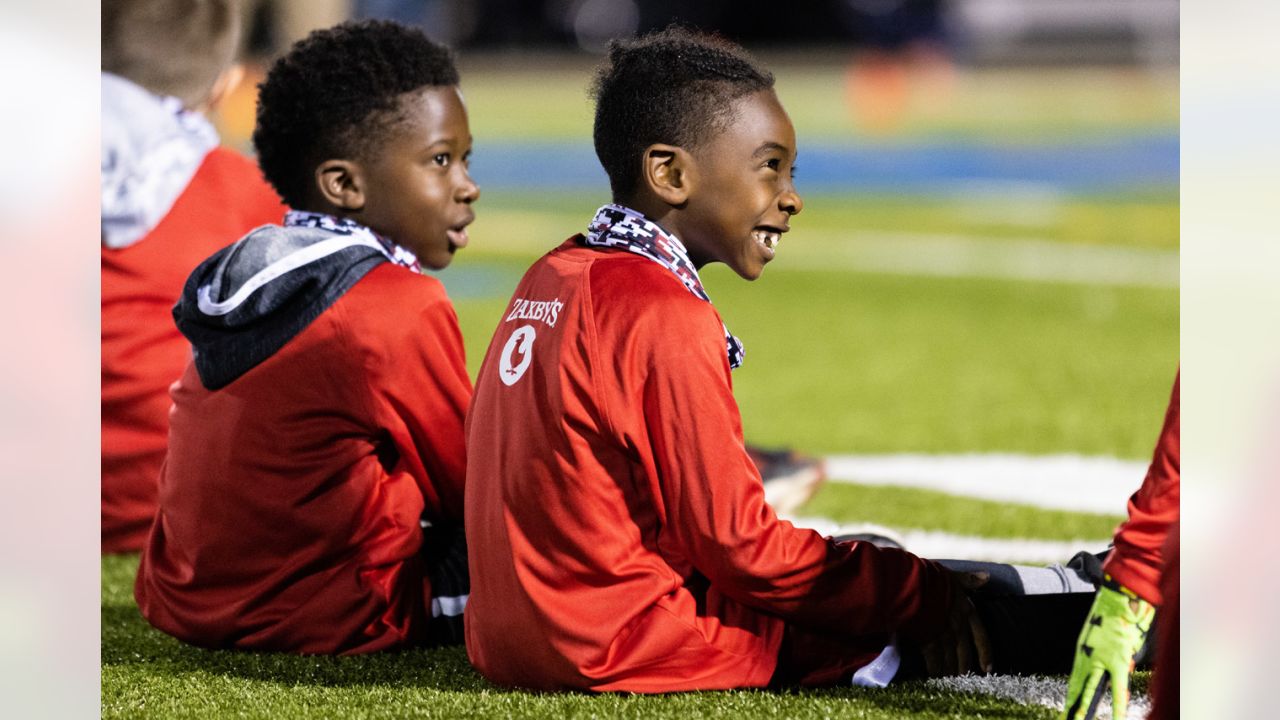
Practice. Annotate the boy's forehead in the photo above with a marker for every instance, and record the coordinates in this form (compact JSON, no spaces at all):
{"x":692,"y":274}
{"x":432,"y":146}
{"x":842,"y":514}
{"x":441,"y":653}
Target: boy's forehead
{"x":436,"y":109}
{"x":757,"y":122}
{"x":433,"y":100}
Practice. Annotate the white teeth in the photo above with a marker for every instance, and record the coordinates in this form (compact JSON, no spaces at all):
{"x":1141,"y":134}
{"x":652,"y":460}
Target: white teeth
{"x":767,"y":238}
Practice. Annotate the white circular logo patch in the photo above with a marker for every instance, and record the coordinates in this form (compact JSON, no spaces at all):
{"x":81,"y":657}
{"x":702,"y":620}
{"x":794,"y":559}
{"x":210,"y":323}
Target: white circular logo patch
{"x":510,"y":367}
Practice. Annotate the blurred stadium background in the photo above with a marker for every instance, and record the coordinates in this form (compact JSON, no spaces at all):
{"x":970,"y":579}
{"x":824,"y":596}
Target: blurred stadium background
{"x":981,"y":295}
{"x":987,"y":260}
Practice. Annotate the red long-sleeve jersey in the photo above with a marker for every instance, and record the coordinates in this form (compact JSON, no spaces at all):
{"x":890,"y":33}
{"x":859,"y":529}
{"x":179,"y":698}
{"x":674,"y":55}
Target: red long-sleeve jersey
{"x":142,"y":351}
{"x":290,"y":500}
{"x":1138,"y":557}
{"x":618,"y":533}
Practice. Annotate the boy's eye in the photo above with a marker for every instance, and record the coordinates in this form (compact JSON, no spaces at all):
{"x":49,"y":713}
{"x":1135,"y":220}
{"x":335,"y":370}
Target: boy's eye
{"x":442,"y":159}
{"x":773,"y":164}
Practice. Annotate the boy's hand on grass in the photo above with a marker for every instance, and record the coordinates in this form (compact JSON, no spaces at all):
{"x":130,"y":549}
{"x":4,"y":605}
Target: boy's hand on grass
{"x":963,"y":647}
{"x":1111,"y":637}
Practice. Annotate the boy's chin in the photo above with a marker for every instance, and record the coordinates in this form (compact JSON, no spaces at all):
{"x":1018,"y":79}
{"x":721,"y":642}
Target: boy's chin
{"x":749,"y":272}
{"x":440,"y":257}
{"x":437,"y":261}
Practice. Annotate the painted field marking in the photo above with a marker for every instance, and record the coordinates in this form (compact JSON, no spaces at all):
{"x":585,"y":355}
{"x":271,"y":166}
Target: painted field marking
{"x":944,"y":545}
{"x":1058,"y":482}
{"x":1044,"y":691}
{"x":1030,"y":259}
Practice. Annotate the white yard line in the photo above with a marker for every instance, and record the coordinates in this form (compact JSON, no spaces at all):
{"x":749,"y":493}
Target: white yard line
{"x":1048,"y":692}
{"x":944,"y":545}
{"x":1058,"y":482}
{"x":1032,"y":259}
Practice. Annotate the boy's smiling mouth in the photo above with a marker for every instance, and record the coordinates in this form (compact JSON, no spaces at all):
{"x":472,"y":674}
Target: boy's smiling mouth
{"x":768,"y":238}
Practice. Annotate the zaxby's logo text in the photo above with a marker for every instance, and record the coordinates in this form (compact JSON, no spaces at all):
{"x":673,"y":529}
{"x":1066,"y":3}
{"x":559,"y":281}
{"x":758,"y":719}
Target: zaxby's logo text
{"x":547,"y":311}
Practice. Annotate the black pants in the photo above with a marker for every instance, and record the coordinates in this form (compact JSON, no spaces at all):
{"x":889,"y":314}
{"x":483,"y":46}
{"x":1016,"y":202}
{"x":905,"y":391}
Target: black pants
{"x":444,"y":553}
{"x":1031,"y":634}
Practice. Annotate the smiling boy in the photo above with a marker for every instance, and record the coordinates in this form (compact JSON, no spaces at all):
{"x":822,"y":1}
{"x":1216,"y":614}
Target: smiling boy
{"x":619,"y":535}
{"x":318,"y":428}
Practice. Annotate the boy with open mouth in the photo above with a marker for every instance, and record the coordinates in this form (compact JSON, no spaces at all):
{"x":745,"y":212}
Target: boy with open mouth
{"x":619,"y":534}
{"x":318,"y":428}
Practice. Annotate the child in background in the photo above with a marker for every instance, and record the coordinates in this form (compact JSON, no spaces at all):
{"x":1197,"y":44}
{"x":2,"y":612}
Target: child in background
{"x":318,"y":429}
{"x":619,"y":534}
{"x":170,"y":198}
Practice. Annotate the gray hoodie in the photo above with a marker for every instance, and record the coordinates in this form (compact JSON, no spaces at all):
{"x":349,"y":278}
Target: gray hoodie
{"x":247,"y":300}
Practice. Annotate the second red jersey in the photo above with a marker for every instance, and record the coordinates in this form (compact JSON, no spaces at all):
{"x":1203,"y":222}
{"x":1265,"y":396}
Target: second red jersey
{"x":618,"y":533}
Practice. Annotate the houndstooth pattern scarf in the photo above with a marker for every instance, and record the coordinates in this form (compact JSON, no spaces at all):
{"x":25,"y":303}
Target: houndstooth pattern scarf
{"x":615,"y":226}
{"x":395,"y":252}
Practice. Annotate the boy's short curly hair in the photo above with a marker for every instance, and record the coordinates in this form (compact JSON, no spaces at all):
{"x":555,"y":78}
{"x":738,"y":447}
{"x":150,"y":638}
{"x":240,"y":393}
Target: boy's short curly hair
{"x":675,"y":86}
{"x":336,"y":94}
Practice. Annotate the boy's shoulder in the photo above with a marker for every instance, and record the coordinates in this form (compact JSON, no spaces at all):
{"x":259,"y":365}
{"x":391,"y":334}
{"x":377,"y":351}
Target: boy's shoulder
{"x":231,"y":184}
{"x":401,"y":324}
{"x":232,"y":166}
{"x":624,"y":275}
{"x":392,"y":289}
{"x":634,"y":292}
{"x":613,"y":274}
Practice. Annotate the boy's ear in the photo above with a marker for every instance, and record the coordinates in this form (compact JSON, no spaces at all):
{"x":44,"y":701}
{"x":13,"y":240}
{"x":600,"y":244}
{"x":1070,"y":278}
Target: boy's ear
{"x":665,"y":170}
{"x":340,"y":184}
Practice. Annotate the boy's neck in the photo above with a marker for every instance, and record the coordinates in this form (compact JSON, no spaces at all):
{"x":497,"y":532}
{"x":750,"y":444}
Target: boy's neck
{"x":653,"y":207}
{"x":668,"y":217}
{"x":324,"y":208}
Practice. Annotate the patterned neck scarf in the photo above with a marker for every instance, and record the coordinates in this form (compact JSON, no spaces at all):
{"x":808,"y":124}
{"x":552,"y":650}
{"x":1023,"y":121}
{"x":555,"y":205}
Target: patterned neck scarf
{"x":615,"y":226}
{"x":395,"y":252}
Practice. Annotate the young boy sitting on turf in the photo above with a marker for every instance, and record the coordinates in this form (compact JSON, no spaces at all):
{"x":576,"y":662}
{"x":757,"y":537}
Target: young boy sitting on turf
{"x":618,"y":531}
{"x":319,"y":427}
{"x":170,"y":198}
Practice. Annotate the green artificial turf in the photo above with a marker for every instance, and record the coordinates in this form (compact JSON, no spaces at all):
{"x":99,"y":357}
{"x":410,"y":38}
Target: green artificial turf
{"x":909,"y":508}
{"x":146,"y":674}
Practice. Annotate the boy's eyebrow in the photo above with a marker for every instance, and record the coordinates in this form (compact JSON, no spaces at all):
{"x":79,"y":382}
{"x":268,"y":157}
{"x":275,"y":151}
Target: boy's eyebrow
{"x":450,"y":141}
{"x":769,"y":147}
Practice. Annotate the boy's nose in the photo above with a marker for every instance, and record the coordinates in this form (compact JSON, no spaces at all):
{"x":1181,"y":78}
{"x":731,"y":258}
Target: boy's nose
{"x":790,"y":202}
{"x":468,"y":192}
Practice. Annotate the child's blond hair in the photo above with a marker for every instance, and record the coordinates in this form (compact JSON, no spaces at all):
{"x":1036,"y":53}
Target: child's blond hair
{"x":175,"y":48}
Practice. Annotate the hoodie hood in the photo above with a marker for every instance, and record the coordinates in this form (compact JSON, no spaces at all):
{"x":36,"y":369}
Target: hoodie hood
{"x":151,"y":148}
{"x":246,"y":301}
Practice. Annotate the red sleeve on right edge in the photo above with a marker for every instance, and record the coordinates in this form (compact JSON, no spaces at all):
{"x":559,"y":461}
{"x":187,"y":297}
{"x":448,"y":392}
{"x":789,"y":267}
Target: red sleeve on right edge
{"x":1137,"y":559}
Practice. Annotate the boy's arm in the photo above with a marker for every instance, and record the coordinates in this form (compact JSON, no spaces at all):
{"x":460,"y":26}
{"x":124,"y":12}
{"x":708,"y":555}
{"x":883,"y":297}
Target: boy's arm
{"x":715,"y":506}
{"x":1137,"y":559}
{"x":423,"y":390}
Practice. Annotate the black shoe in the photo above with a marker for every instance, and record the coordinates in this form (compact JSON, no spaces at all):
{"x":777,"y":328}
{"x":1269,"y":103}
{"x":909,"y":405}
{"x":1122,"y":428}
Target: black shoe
{"x":790,"y":479}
